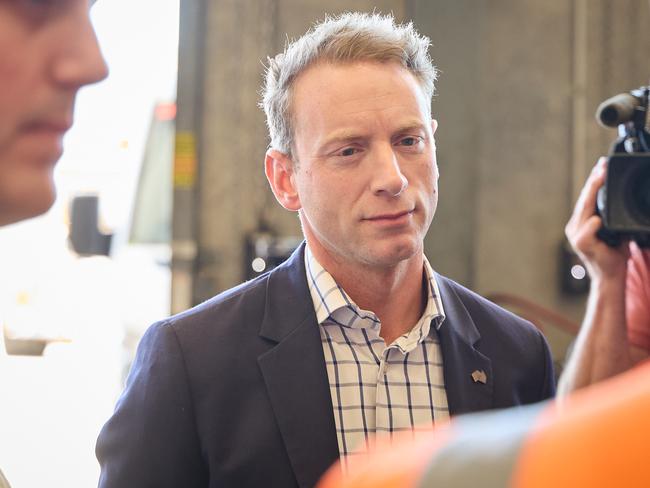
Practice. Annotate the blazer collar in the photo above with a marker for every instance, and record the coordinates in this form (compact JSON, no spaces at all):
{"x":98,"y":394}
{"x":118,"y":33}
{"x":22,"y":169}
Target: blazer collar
{"x":295,"y":374}
{"x":288,"y":302}
{"x":463,"y":363}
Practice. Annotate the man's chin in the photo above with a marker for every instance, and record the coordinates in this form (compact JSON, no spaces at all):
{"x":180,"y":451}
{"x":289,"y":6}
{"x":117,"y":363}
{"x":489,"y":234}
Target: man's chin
{"x":392,"y":254}
{"x":27,"y":205}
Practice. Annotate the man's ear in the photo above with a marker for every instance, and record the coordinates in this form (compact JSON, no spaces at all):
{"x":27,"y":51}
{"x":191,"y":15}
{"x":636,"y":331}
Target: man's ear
{"x":434,"y":126}
{"x":279,"y":169}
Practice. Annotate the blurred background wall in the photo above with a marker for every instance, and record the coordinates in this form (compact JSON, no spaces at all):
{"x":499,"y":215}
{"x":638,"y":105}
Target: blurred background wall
{"x":519,"y":83}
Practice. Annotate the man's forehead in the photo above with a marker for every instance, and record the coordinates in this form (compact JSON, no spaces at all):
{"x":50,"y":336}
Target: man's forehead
{"x":357,"y":87}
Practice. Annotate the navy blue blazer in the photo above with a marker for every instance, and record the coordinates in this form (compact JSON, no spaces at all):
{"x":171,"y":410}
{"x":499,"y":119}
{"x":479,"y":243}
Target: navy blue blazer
{"x":234,"y":392}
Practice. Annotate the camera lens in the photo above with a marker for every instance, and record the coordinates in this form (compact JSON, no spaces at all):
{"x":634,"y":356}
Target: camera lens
{"x":639,"y":194}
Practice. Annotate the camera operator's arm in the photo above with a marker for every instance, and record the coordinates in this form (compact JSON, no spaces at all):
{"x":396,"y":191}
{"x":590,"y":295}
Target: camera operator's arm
{"x":637,"y":303}
{"x":601,"y":349}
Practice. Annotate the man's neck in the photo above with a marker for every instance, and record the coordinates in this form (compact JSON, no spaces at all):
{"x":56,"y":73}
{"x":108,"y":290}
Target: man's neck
{"x":396,"y":294}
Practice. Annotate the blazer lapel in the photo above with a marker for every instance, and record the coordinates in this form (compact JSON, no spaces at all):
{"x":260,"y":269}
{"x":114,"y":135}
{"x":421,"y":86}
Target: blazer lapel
{"x":468,"y":373}
{"x":295,"y":374}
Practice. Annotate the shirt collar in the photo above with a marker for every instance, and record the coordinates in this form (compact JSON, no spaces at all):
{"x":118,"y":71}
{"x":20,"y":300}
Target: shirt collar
{"x":332,"y":303}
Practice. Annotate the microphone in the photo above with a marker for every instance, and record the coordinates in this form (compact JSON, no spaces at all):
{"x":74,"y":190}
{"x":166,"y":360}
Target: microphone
{"x":617,"y":110}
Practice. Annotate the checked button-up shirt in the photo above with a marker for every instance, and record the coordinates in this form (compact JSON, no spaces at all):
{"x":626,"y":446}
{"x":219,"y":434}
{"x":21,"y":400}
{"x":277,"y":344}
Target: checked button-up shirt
{"x":377,"y":389}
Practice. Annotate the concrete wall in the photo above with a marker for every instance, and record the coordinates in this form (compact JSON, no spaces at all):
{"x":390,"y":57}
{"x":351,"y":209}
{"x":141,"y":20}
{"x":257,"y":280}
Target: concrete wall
{"x":519,"y":83}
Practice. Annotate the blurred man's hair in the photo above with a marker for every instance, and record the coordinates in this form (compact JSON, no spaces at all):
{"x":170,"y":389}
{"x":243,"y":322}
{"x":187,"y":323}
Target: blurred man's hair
{"x":346,"y":38}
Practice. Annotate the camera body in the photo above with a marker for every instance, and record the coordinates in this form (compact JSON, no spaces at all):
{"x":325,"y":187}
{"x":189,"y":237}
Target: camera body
{"x":624,"y":200}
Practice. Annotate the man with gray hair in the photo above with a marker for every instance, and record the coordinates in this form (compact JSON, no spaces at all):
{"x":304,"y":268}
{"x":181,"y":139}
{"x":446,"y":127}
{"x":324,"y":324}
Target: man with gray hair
{"x":355,"y":335}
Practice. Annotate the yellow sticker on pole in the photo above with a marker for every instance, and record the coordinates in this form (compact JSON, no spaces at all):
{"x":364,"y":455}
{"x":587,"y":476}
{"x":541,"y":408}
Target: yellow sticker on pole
{"x":185,"y":160}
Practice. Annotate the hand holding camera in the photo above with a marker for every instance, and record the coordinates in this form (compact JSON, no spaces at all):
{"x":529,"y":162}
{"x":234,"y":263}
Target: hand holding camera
{"x":614,"y":205}
{"x":601,"y":259}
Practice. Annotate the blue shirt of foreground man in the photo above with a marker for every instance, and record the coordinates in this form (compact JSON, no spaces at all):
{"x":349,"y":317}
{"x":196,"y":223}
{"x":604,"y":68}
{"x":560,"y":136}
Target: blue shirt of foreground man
{"x":48,"y":51}
{"x":270,"y":382}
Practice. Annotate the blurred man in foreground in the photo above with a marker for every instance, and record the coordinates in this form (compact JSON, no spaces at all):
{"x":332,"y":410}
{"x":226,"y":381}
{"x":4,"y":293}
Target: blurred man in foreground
{"x":48,"y":51}
{"x":596,"y":437}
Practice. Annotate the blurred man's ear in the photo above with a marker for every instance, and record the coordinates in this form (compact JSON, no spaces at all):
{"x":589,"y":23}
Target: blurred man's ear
{"x":279,"y":169}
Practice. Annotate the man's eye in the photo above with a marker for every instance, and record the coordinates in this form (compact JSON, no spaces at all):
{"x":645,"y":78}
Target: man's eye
{"x":410,"y":141}
{"x":348,"y":151}
{"x":38,"y":10}
{"x":39,"y":3}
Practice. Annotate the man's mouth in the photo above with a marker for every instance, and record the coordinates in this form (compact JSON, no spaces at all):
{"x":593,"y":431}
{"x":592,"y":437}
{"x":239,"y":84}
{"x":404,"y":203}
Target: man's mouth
{"x":390,"y":217}
{"x":49,"y":126}
{"x":44,"y":138}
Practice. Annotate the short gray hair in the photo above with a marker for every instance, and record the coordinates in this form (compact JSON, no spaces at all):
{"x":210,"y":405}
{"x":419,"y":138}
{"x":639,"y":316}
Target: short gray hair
{"x":342,"y":39}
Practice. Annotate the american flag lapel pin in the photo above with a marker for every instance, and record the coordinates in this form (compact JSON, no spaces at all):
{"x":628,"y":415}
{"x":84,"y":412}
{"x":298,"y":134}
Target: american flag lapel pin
{"x":479,"y":376}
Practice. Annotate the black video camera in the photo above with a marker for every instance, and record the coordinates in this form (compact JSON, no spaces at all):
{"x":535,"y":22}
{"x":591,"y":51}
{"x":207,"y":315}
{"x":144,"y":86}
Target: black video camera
{"x":624,"y":200}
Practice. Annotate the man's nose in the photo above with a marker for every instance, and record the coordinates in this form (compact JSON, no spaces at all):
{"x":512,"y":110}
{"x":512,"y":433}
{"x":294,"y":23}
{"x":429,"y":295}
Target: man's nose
{"x":388,"y":178}
{"x":78,"y":60}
